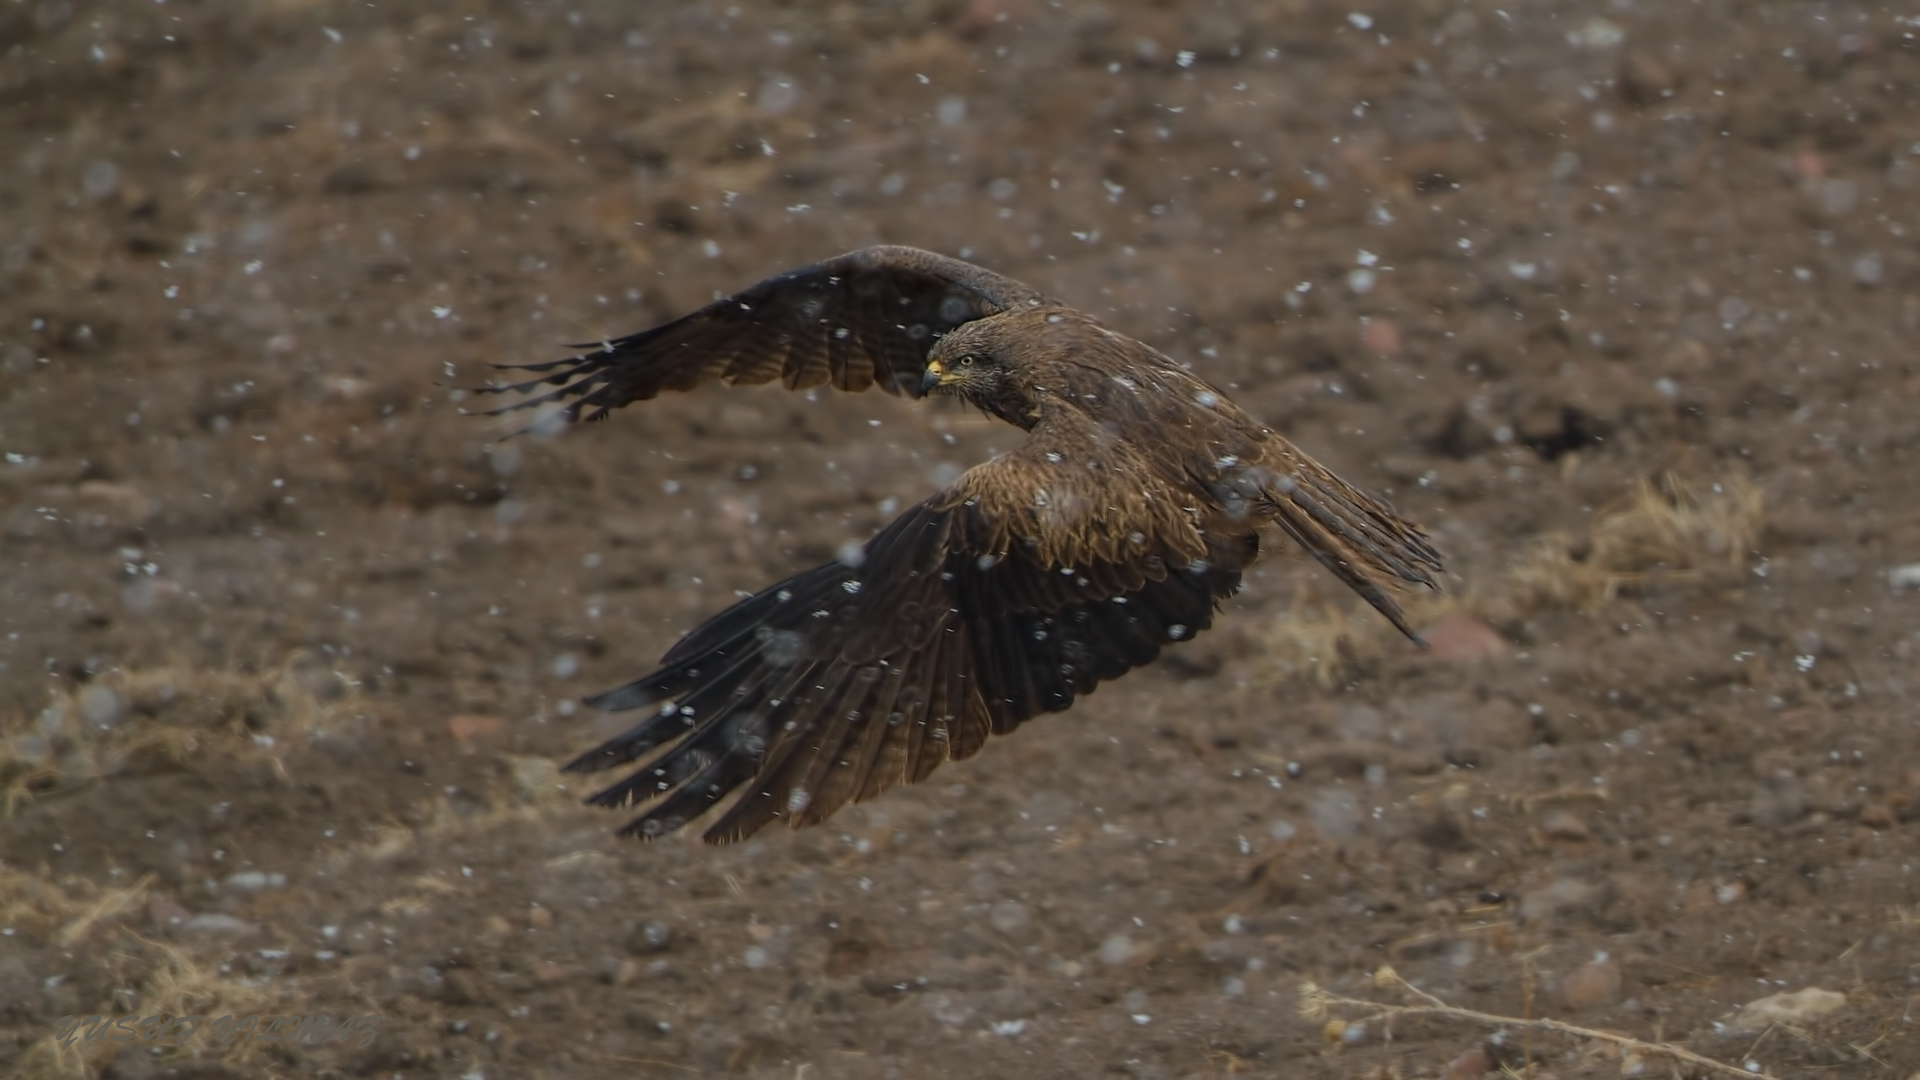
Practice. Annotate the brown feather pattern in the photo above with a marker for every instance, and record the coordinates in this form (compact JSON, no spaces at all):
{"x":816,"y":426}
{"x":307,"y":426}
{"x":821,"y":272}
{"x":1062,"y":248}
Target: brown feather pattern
{"x":865,"y":318}
{"x":1114,"y":531}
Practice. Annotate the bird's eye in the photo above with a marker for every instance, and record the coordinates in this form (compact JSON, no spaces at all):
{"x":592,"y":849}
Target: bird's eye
{"x":965,"y":361}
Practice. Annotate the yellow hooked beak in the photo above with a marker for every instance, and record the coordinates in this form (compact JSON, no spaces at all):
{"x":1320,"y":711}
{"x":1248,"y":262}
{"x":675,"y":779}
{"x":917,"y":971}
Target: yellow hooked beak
{"x":936,"y":376}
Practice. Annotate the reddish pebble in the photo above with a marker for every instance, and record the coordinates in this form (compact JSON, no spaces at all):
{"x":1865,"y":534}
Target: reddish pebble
{"x":1463,"y":637}
{"x":166,"y":913}
{"x":979,"y":16}
{"x":1592,"y":985}
{"x":1474,"y":1062}
{"x":468,"y":728}
{"x":1380,"y":337}
{"x":1564,"y":825}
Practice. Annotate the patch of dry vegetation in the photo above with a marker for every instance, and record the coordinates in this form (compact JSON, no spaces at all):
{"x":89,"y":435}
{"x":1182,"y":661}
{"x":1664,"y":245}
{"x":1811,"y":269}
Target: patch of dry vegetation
{"x":171,"y":983}
{"x":1309,"y":641}
{"x":200,"y":720}
{"x":1316,"y":1003}
{"x":63,"y":911}
{"x":1665,"y":530}
{"x":126,"y":722}
{"x":164,"y":717}
{"x":72,"y":911}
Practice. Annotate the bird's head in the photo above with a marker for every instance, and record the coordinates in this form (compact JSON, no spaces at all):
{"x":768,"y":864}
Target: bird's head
{"x":988,"y":363}
{"x":963,"y":365}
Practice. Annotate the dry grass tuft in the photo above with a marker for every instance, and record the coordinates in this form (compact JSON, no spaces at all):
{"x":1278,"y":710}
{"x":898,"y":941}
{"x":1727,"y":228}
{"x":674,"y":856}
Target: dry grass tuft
{"x":1664,"y":530}
{"x":1310,"y":640}
{"x":172,"y":983}
{"x":171,"y":980}
{"x":177,"y":984}
{"x":64,"y":911}
{"x":164,"y":717}
{"x":1329,"y":640}
{"x":71,"y":910}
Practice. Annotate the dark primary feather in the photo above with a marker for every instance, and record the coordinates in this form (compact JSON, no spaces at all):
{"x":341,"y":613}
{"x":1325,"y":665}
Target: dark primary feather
{"x":1128,"y":514}
{"x":864,"y":318}
{"x":843,"y":681}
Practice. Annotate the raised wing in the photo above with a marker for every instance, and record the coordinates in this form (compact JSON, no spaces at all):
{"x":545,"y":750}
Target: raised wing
{"x":1030,"y":582}
{"x":866,"y":317}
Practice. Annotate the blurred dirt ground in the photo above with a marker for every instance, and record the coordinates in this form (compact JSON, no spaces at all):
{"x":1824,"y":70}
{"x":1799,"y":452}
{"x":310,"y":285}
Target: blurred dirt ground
{"x":1619,"y":298}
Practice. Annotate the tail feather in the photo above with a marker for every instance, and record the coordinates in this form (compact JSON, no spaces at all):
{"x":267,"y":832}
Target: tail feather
{"x":1357,"y":537}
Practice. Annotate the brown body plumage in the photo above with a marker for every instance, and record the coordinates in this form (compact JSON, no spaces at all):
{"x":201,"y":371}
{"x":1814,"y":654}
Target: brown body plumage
{"x":1117,"y":527}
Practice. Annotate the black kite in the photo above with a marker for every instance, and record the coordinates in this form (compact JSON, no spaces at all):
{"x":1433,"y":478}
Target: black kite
{"x":1127,"y":515}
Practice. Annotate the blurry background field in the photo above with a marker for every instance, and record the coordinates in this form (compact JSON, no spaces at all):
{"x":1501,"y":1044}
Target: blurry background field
{"x":1619,"y":299}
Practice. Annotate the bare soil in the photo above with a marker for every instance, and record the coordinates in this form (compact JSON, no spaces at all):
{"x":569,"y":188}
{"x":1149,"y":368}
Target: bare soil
{"x":288,"y":646}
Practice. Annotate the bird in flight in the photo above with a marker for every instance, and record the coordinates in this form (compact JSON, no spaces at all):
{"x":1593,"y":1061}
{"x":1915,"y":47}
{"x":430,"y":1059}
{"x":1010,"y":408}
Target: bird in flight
{"x":1128,"y":514}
